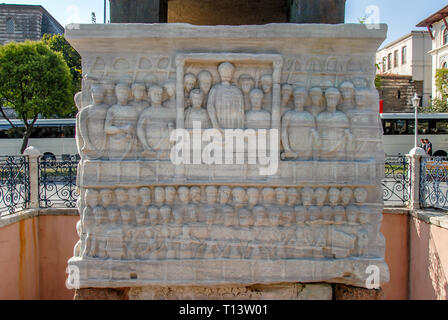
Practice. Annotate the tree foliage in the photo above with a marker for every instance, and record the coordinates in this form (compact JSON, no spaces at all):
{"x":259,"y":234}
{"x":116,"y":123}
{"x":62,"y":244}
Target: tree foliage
{"x":58,"y":43}
{"x":442,"y":82}
{"x":34,"y":81}
{"x":436,"y":105}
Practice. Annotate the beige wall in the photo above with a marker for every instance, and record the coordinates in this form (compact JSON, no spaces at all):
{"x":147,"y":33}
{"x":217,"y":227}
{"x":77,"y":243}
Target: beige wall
{"x":395,"y":230}
{"x":34,"y":254}
{"x":33,"y":257}
{"x":428,"y":261}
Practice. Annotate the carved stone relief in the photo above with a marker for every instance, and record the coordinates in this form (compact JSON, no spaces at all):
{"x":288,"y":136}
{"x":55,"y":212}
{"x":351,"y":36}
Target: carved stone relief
{"x":147,"y":221}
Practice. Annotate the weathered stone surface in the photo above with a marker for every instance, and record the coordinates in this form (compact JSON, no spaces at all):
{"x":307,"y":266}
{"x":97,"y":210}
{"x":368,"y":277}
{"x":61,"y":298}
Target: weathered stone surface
{"x":320,"y":291}
{"x":343,"y":292}
{"x":101,"y":294}
{"x":149,"y":218}
{"x":317,"y":11}
{"x":138,"y":11}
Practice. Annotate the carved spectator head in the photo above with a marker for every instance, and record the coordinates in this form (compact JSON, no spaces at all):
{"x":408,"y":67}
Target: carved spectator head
{"x":286,"y":93}
{"x":239,"y":195}
{"x":155,"y":93}
{"x":346,"y":196}
{"x":300,"y":96}
{"x":288,"y":218}
{"x":159,"y":195}
{"x":229,"y":216}
{"x":184,"y":194}
{"x":165,"y":214}
{"x":189,"y":82}
{"x":107,"y":197}
{"x":307,"y":196}
{"x":332,"y":95}
{"x":268,"y":196}
{"x":292,"y":196}
{"x":347,"y":90}
{"x":98,"y":94}
{"x":134,"y":196}
{"x":170,"y":195}
{"x":245,"y":218}
{"x":211,"y":193}
{"x":266,"y":83}
{"x":224,"y":194}
{"x":360,"y":195}
{"x":92,"y":198}
{"x":253,"y":196}
{"x":246,"y":83}
{"x":170,"y":88}
{"x":321,"y":196}
{"x":123,"y":92}
{"x":316,"y":96}
{"x":145,"y":195}
{"x":205,"y":81}
{"x":259,"y":213}
{"x":195,"y":194}
{"x":154,"y":215}
{"x":226,"y":71}
{"x":138,"y":91}
{"x":197,"y":98}
{"x":122,"y":196}
{"x":362,"y":98}
{"x":256,"y":99}
{"x":280,"y":196}
{"x":333,"y":196}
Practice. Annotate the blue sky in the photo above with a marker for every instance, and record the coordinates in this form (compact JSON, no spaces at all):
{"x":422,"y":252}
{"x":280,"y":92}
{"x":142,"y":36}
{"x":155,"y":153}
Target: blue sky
{"x":400,"y":15}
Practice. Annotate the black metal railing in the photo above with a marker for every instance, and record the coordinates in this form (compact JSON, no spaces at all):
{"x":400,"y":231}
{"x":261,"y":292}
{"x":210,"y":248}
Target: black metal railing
{"x":14,"y":183}
{"x":57,"y":181}
{"x":397,"y":181}
{"x":434,"y":182}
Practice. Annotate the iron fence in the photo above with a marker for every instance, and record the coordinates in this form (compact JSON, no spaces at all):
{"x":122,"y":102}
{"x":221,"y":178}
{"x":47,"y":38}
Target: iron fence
{"x":434,"y":182}
{"x":397,"y":181}
{"x":57,"y":181}
{"x":14,"y":183}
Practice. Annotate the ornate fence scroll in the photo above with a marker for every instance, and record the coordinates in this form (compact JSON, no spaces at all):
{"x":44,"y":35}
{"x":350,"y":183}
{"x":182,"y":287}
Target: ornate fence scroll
{"x":434,"y":182}
{"x":397,"y":182}
{"x":57,"y":182}
{"x":14,"y":183}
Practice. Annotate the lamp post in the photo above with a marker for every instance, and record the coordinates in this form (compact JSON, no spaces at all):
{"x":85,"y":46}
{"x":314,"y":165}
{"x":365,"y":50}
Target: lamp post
{"x":417,"y":150}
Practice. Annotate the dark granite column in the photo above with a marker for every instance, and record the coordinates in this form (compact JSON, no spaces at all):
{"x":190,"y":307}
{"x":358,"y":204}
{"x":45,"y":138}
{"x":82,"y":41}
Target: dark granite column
{"x":317,"y":11}
{"x":138,"y":11}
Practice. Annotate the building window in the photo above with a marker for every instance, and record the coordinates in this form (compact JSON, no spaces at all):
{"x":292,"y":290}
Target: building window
{"x":389,"y":61}
{"x":444,"y":65}
{"x":404,"y":57}
{"x":10,"y":25}
{"x":384,"y":64}
{"x":395,"y":58}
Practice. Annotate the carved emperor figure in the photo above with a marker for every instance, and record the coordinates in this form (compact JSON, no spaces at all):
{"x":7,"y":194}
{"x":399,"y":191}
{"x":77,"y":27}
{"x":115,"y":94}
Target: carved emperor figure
{"x":334,"y":129}
{"x":299,"y":136}
{"x":226,"y":102}
{"x":92,"y":140}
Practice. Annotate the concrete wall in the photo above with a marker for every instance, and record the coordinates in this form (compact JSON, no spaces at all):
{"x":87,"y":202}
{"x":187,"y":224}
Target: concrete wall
{"x":34,"y":254}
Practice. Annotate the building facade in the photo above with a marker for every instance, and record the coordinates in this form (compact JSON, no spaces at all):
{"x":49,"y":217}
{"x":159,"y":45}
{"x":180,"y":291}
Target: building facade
{"x":408,"y":56}
{"x":437,"y":26}
{"x":26,"y":22}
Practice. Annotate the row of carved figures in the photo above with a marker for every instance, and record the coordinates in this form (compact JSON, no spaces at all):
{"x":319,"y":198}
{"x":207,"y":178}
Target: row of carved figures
{"x":237,"y":196}
{"x":184,"y":242}
{"x":130,"y":130}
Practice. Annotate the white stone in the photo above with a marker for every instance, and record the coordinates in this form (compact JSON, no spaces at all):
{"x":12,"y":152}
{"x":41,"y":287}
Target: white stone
{"x":147,"y":222}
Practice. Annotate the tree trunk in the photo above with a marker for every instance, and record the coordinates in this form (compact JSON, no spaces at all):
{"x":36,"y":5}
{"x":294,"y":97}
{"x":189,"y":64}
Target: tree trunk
{"x":26,"y":137}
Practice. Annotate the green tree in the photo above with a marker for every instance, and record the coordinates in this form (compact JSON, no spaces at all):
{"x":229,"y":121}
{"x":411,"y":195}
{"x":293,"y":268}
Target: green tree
{"x":58,"y":43}
{"x":34,"y":81}
{"x":442,"y":82}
